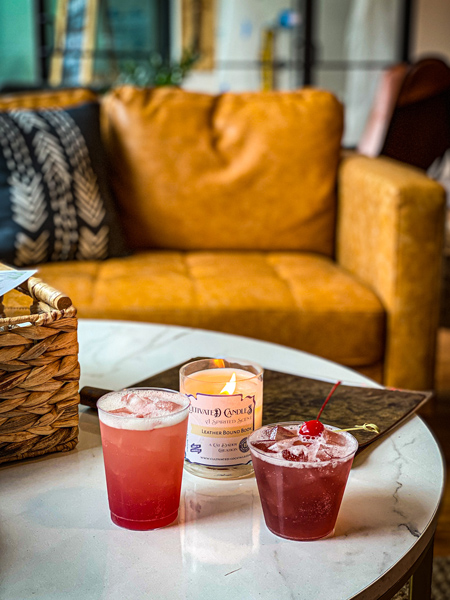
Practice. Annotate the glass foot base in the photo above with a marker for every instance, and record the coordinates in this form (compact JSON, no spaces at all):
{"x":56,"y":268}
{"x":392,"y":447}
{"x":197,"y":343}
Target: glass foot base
{"x":302,"y":539}
{"x":237,"y":472}
{"x":143,"y":525}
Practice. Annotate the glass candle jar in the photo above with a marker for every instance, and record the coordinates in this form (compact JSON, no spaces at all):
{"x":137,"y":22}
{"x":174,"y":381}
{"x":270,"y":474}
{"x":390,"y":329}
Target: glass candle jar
{"x":226,"y":406}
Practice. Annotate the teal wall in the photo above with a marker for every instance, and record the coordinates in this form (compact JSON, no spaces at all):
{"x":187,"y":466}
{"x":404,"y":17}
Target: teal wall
{"x":18,"y":62}
{"x":133,"y":24}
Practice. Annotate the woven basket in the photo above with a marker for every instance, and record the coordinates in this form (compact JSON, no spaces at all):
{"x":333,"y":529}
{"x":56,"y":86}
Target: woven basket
{"x":39,"y":373}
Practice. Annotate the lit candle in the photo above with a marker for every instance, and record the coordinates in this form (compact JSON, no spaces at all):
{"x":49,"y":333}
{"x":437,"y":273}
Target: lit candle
{"x":226,"y":406}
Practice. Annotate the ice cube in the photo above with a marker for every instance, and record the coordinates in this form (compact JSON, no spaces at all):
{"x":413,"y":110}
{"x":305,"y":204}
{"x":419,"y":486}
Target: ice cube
{"x":295,"y":454}
{"x":332,"y":451}
{"x":334,"y":438}
{"x":265,"y":446}
{"x":134,"y":402}
{"x":279,"y":433}
{"x":324,"y":454}
{"x":167,"y":406}
{"x":303,"y":442}
{"x":333,"y":445}
{"x":313,"y":447}
{"x":121,"y":411}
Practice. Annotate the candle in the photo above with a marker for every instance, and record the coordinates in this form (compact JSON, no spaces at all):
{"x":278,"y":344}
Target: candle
{"x":226,"y":406}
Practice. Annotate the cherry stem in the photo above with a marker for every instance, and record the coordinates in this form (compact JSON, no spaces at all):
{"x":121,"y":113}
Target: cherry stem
{"x":333,"y":389}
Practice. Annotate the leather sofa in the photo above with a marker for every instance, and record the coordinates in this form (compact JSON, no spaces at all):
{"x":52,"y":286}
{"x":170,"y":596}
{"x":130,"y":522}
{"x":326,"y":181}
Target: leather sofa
{"x":242,"y":215}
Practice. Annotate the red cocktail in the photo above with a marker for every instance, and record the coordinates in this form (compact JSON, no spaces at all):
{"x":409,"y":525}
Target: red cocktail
{"x":143,"y":437}
{"x":301,"y":479}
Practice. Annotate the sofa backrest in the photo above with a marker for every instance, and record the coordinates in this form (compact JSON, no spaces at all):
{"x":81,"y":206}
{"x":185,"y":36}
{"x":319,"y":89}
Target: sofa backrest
{"x":234,"y":171}
{"x":62,"y":98}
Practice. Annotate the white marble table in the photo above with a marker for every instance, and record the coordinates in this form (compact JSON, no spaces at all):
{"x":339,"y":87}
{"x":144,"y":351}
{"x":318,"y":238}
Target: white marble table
{"x":57,"y":541}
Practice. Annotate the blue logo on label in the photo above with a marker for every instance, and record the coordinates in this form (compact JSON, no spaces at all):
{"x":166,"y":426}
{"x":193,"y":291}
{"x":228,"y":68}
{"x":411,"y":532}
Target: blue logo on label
{"x":196,"y":448}
{"x":243,"y":446}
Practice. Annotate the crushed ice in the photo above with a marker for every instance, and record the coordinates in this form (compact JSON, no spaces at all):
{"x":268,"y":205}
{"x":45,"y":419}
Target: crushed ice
{"x":281,"y":442}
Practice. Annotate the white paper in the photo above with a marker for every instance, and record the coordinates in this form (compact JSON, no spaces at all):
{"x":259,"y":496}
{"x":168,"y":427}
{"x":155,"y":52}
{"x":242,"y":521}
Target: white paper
{"x":10,"y":279}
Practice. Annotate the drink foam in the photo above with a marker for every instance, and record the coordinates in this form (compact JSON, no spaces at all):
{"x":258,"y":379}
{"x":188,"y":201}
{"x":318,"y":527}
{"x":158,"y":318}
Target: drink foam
{"x":142,"y":409}
{"x":301,"y":451}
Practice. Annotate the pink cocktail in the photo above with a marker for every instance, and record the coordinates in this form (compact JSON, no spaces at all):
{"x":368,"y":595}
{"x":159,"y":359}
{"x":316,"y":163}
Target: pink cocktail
{"x":301,"y":479}
{"x":143,"y":437}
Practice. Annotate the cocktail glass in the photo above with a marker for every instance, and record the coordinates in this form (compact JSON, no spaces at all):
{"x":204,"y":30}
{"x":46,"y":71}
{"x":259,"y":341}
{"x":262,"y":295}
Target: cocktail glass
{"x":143,"y":434}
{"x":301,"y":484}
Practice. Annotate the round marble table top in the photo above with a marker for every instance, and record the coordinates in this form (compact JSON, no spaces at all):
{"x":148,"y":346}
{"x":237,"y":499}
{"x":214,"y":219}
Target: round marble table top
{"x":57,"y":540}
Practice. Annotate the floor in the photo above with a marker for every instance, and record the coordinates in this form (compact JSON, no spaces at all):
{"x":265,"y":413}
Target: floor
{"x":438,"y":419}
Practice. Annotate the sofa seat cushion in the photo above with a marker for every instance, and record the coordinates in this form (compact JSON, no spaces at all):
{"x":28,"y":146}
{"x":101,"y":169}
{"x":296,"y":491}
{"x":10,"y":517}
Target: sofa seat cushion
{"x":301,"y":300}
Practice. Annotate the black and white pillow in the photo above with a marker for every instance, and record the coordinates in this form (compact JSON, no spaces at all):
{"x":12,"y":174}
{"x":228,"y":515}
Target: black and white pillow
{"x":55,"y":203}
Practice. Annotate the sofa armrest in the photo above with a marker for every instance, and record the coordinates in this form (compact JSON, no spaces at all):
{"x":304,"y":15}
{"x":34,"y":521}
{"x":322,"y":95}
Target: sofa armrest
{"x":390,"y":234}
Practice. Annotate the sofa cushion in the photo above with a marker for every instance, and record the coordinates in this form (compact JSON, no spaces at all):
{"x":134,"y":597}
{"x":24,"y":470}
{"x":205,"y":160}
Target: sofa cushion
{"x":236,"y":171}
{"x":55,"y":203}
{"x":51,"y":98}
{"x":301,"y":300}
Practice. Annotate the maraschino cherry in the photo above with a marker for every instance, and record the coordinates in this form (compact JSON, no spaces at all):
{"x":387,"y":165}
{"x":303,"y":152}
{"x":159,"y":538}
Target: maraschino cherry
{"x":315,"y":427}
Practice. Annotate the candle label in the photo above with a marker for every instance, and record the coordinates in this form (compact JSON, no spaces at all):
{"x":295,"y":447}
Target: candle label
{"x":218,"y":429}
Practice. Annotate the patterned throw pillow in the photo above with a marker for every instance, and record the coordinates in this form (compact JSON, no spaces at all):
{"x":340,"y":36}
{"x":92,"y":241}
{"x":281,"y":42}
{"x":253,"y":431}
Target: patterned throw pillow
{"x":55,"y":203}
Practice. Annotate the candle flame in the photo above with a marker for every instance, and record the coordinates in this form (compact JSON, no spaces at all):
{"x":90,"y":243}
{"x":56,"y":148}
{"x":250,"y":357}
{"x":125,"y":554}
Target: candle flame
{"x":229,"y":387}
{"x":219,"y":362}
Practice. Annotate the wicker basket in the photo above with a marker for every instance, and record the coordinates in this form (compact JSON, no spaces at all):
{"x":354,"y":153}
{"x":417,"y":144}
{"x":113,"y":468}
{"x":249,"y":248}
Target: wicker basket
{"x":39,"y":372}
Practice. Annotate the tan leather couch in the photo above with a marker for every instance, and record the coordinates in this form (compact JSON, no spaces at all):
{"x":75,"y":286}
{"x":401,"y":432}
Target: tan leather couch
{"x":243,"y":217}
